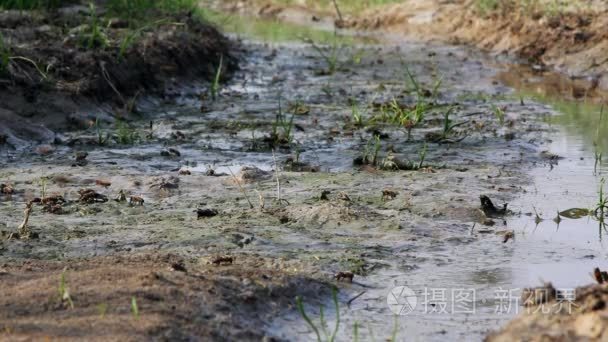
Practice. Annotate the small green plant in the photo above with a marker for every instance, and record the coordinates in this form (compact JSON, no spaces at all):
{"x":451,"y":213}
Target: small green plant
{"x":130,"y":37}
{"x":302,"y":311}
{"x":136,"y":11}
{"x":215,"y":86}
{"x":43,"y":181}
{"x":94,"y":38}
{"x":134,"y":308}
{"x":101,"y":138}
{"x":422,"y":155}
{"x":499,"y":113}
{"x":331,"y":57}
{"x":408,"y":118}
{"x":602,"y":201}
{"x":357,"y":116}
{"x":64,"y":293}
{"x":448,"y":125}
{"x":102,"y":309}
{"x":125,"y":135}
{"x":4,"y":55}
{"x":372,"y":149}
{"x":282,"y":127}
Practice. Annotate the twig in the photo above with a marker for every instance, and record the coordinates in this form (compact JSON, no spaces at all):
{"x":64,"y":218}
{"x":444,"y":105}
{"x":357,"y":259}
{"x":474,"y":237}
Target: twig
{"x":354,"y":298}
{"x":23,"y":226}
{"x":338,"y":10}
{"x":261,"y":200}
{"x":276,"y":171}
{"x":241,"y":188}
{"x":32,"y":62}
{"x":106,"y":76}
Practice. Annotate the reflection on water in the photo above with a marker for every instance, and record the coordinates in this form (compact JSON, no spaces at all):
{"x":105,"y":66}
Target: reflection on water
{"x":573,"y":182}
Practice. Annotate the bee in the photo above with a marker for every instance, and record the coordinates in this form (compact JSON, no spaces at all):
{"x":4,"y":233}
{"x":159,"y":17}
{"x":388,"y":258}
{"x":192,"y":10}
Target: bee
{"x":343,"y":196}
{"x":133,"y":200}
{"x":103,"y":183}
{"x":388,"y":194}
{"x":53,"y":209}
{"x":52,"y":200}
{"x":489,"y":209}
{"x":600,"y":276}
{"x":80,"y":156}
{"x":345,"y":276}
{"x":508,"y":235}
{"x":6,"y":189}
{"x":223,"y":260}
{"x":184,"y":172}
{"x":205,"y":213}
{"x":91,"y":196}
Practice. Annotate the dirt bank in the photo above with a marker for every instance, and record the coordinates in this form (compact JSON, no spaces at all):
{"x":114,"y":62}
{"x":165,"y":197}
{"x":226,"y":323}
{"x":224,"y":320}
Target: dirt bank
{"x":573,"y":42}
{"x":561,"y":318}
{"x":176,"y":298}
{"x":64,"y":68}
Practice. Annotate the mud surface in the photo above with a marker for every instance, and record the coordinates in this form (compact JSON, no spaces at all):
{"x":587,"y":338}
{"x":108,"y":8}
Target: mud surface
{"x":59,"y":75}
{"x":336,"y":219}
{"x":207,"y":173}
{"x":567,"y":39}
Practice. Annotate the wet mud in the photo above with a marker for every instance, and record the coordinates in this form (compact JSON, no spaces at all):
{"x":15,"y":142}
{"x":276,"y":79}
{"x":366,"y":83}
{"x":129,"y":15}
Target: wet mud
{"x":293,"y":179}
{"x":60,"y":76}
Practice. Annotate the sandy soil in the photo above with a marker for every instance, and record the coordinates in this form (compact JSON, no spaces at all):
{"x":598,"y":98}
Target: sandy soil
{"x":176,"y":298}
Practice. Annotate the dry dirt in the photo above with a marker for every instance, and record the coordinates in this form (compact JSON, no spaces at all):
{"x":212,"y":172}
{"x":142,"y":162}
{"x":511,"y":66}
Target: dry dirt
{"x":177,"y":299}
{"x":585,"y":318}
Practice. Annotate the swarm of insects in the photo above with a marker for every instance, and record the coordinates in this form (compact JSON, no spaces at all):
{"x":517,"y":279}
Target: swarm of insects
{"x":221,"y":260}
{"x":136,"y":200}
{"x":345,"y":276}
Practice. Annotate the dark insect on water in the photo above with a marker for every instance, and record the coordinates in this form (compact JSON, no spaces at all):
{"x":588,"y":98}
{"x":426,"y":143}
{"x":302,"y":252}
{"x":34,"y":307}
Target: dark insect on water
{"x":600,"y":276}
{"x":223,"y":260}
{"x":206,"y":213}
{"x":490,"y":209}
{"x":345,"y":276}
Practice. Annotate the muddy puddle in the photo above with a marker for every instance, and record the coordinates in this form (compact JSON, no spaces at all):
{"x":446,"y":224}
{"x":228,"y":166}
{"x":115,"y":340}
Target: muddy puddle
{"x":284,"y":116}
